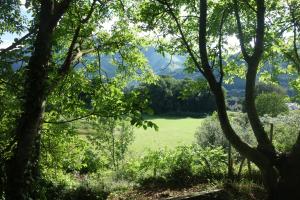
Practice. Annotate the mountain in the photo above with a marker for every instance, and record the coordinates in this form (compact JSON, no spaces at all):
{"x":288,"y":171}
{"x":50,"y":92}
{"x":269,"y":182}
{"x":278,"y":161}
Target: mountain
{"x":174,"y":66}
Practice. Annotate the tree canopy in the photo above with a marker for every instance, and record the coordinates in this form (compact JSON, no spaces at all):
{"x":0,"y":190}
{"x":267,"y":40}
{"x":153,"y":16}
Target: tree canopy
{"x":53,"y":75}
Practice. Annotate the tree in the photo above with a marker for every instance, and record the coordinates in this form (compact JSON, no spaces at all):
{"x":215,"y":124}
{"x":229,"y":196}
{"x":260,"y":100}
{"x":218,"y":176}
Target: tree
{"x":28,"y":125}
{"x":199,"y":29}
{"x":169,"y":95}
{"x":63,"y":35}
{"x":271,"y":104}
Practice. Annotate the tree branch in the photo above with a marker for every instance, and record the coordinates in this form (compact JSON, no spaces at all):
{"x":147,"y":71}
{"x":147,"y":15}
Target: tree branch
{"x":264,"y":144}
{"x":260,"y":30}
{"x":220,"y":47}
{"x":70,"y":57}
{"x":294,"y":24}
{"x":59,"y":10}
{"x":82,"y":117}
{"x":16,"y":43}
{"x":249,"y":152}
{"x":182,"y":35}
{"x":240,"y":31}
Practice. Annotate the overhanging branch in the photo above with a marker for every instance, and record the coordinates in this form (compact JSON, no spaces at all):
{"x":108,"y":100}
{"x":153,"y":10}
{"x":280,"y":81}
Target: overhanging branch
{"x":182,"y":35}
{"x":16,"y":43}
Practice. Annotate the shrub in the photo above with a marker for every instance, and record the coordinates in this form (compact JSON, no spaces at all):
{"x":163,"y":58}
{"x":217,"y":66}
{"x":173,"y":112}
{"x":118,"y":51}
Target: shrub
{"x":86,"y":193}
{"x":286,"y":129}
{"x":182,"y":165}
{"x":210,"y":134}
{"x":156,"y":162}
{"x":271,"y":104}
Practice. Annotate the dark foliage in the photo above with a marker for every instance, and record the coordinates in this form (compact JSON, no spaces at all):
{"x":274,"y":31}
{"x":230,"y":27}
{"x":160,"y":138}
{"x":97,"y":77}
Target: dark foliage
{"x":178,"y":96}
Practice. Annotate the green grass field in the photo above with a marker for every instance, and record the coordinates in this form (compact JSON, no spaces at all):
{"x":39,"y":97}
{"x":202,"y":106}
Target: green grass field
{"x":173,"y":131}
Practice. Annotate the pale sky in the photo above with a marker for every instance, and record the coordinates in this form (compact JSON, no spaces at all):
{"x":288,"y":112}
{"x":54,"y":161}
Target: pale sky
{"x":8,"y":38}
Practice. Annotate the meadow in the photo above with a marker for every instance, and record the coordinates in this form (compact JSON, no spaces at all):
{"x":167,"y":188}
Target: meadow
{"x":172,"y":132}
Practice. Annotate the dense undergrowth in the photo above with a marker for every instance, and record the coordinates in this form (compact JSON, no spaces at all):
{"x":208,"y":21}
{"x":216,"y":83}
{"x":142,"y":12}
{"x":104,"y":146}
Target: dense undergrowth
{"x":98,"y":166}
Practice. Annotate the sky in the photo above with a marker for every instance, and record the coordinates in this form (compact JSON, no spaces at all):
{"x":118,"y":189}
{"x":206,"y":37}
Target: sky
{"x":7,"y":38}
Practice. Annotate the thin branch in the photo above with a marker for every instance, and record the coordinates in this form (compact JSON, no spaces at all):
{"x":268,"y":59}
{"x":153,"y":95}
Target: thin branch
{"x":260,"y":30}
{"x":70,"y":57}
{"x":16,"y":43}
{"x":82,"y":117}
{"x":294,"y":21}
{"x":240,"y":31}
{"x":89,"y":15}
{"x":220,"y":47}
{"x":69,"y":120}
{"x":249,"y":5}
{"x":169,"y":63}
{"x":184,"y":40}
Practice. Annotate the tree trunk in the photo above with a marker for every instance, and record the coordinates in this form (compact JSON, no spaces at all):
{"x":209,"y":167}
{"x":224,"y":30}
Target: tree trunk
{"x":28,"y":127}
{"x":271,"y":132}
{"x":288,"y":186}
{"x":20,"y":167}
{"x":239,"y":175}
{"x":230,"y":164}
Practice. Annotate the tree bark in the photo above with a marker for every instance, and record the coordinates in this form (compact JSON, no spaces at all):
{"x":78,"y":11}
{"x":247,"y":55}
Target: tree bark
{"x":240,"y":169}
{"x":288,"y":185}
{"x":230,"y":173}
{"x":23,"y":163}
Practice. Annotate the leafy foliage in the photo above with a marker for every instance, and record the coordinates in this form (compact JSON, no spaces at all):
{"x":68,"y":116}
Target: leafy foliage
{"x":170,"y":95}
{"x":271,"y":104}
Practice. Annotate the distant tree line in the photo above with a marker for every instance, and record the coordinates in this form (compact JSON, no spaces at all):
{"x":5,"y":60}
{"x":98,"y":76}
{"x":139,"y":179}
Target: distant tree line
{"x":179,"y":96}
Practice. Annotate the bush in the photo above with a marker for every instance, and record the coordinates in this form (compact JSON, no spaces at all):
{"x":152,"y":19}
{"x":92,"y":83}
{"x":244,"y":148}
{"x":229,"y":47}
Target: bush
{"x":262,"y":88}
{"x":210,"y":134}
{"x":271,"y":104}
{"x":182,"y":165}
{"x":286,"y":129}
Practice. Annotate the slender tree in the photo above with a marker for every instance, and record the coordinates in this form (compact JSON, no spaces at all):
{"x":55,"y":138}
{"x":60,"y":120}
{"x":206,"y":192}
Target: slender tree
{"x":198,"y":28}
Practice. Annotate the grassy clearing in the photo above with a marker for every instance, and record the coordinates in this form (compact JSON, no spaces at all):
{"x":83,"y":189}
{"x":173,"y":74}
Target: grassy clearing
{"x":173,"y":131}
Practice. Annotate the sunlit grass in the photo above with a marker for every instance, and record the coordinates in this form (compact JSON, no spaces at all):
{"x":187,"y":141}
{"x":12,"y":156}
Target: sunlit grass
{"x":173,"y":131}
